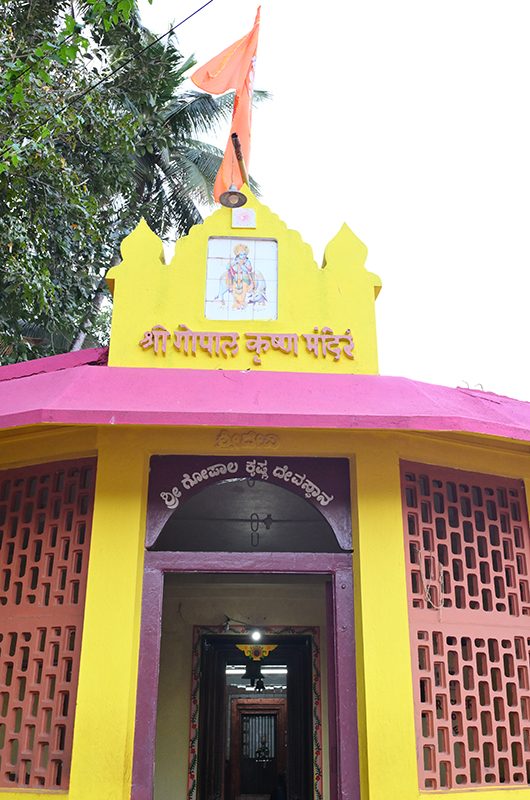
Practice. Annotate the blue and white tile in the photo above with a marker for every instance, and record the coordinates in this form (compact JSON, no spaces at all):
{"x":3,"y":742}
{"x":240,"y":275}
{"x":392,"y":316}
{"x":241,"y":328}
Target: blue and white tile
{"x":219,"y":247}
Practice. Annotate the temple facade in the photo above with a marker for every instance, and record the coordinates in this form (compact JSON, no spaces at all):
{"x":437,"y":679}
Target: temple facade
{"x":236,"y":563}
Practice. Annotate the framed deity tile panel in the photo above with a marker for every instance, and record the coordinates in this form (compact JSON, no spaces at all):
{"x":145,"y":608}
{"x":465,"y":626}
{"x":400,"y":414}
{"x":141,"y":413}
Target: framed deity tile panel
{"x":241,"y":279}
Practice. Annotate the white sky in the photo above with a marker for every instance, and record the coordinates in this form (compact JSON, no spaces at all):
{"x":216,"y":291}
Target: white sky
{"x":410,"y":121}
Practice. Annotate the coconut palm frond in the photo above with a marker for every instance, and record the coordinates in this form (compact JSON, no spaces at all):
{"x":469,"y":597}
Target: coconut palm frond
{"x":195,"y":112}
{"x":173,"y":171}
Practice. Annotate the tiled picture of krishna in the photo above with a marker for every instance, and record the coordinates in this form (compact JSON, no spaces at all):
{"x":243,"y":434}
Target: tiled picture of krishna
{"x":242,"y":279}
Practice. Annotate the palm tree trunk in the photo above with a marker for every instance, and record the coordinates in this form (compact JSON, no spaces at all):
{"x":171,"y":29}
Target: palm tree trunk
{"x":95,"y":306}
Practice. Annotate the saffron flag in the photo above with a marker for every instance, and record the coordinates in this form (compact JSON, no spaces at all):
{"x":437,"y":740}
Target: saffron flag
{"x":233,"y":69}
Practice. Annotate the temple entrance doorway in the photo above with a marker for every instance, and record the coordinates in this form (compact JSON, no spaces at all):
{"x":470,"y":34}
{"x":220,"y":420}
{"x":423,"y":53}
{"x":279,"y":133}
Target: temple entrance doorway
{"x":254,"y":721}
{"x":247,"y":633}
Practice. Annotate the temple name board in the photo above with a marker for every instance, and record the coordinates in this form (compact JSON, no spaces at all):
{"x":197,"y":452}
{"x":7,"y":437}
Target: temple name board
{"x":323,"y":482}
{"x":320,"y":344}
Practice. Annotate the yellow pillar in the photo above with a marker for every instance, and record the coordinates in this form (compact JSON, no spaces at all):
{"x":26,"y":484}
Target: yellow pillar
{"x":389,"y":738}
{"x":104,"y":724}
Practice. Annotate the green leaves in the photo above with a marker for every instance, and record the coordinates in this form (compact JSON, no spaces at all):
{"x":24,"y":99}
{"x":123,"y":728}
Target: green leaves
{"x":79,"y":165}
{"x":70,"y":26}
{"x":109,"y":12}
{"x":18,"y":94}
{"x":61,"y":173}
{"x":41,"y":50}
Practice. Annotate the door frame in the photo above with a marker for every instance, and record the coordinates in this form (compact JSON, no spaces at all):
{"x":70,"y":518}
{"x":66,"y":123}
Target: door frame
{"x":342,"y":706}
{"x":291,"y":636}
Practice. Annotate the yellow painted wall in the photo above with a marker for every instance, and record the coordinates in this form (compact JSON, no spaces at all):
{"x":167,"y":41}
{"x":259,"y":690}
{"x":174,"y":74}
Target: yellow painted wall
{"x":340,"y":296}
{"x":102,"y":755}
{"x":103,"y":736}
{"x":23,"y":447}
{"x":202,"y":603}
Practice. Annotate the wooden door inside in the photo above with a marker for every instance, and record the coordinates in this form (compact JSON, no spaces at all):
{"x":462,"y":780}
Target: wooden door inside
{"x":258,"y":752}
{"x":250,"y":744}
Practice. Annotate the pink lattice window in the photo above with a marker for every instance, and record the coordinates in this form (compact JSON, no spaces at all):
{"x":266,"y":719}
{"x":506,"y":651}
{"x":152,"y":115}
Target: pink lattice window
{"x":45,"y":519}
{"x":468,"y":559}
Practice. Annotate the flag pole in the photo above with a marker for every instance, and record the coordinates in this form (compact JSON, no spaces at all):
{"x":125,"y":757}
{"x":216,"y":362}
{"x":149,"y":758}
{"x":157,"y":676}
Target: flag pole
{"x":240,"y":159}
